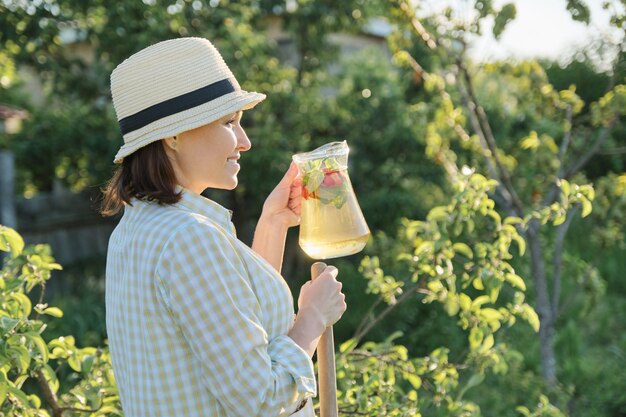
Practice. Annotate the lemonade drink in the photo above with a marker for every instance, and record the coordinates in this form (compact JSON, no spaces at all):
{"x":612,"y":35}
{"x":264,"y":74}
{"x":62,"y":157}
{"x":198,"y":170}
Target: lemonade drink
{"x":332,"y":223}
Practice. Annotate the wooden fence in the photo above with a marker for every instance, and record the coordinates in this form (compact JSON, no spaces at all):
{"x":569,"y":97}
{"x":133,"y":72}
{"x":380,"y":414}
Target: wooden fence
{"x":68,"y":221}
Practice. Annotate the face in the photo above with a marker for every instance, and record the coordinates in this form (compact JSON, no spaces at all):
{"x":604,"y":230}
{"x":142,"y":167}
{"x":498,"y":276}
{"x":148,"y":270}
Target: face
{"x":207,"y":157}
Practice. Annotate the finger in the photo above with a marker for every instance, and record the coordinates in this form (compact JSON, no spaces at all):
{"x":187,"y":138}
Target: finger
{"x":296,"y":208}
{"x":293,"y":204}
{"x":297,"y":183}
{"x":296,"y":191}
{"x":289,"y":176}
{"x":332,"y":271}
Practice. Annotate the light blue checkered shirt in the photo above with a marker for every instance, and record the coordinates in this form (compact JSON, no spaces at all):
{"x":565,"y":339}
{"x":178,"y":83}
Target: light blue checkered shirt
{"x":197,"y":321}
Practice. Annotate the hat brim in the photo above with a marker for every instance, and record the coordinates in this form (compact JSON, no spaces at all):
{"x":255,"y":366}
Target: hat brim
{"x":187,"y":120}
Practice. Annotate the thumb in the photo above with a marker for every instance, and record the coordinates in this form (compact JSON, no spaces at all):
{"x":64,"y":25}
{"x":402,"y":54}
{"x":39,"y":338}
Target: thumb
{"x":289,"y":176}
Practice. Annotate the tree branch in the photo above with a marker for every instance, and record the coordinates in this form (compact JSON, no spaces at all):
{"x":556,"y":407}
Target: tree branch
{"x":561,"y":232}
{"x":507,"y":198}
{"x":463,"y":135}
{"x":566,"y":139}
{"x":49,"y":395}
{"x":368,"y":316}
{"x":428,"y":39}
{"x":351,"y":411}
{"x":40,"y":301}
{"x":52,"y":400}
{"x":481,"y":126}
{"x":358,"y":336}
{"x":572,"y":296}
{"x":478,"y":117}
{"x":584,"y":158}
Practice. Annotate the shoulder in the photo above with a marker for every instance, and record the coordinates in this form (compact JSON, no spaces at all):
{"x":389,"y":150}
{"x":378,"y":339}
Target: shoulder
{"x":171,"y":219}
{"x":197,"y":237}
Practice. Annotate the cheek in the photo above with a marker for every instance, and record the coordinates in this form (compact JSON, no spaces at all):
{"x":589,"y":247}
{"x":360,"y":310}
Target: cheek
{"x":196,"y":161}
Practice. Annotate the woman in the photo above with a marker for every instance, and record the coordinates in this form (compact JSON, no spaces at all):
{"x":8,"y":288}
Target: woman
{"x":199,"y":324}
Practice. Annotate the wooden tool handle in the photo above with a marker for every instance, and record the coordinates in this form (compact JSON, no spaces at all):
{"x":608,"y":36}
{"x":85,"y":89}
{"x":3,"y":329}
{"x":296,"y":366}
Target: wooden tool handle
{"x":326,"y":363}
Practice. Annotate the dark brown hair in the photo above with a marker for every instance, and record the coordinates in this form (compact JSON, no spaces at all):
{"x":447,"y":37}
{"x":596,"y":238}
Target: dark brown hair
{"x":146,"y":174}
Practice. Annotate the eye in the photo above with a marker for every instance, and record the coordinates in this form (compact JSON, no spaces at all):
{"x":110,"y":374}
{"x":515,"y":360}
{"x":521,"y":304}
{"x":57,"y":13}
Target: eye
{"x":231,"y":122}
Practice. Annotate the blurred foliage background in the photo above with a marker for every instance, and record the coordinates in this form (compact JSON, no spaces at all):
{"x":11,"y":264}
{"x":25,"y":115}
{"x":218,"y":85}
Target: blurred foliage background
{"x":330,"y":76}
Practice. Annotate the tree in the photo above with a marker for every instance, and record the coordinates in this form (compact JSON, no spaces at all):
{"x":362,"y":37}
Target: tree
{"x":27,"y":360}
{"x":539,"y":191}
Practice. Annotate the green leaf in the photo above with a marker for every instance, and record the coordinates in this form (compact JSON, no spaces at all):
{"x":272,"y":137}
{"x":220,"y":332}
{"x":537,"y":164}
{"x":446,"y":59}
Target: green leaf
{"x":470,"y":225}
{"x":332,"y":164}
{"x":51,"y":377}
{"x":506,"y":15}
{"x":463,"y":249}
{"x":475,"y":337}
{"x":53,"y":311}
{"x":21,"y":355}
{"x":565,"y":186}
{"x":19,"y":381}
{"x":3,"y":388}
{"x":348,"y":345}
{"x":452,"y":304}
{"x":11,"y":241}
{"x":465,"y":302}
{"x":494,"y":293}
{"x":7,"y":324}
{"x":26,"y":305}
{"x":87,"y":364}
{"x":521,"y":244}
{"x":474,"y":380}
{"x":479,"y":301}
{"x":559,"y":219}
{"x":531,"y":141}
{"x":490,"y":314}
{"x":487,"y":344}
{"x":437,"y":214}
{"x":579,"y":10}
{"x":34,"y":400}
{"x":393,"y":336}
{"x":513,"y":220}
{"x":587,"y":207}
{"x":494,"y":214}
{"x":74,"y":363}
{"x":531,"y":316}
{"x":107,"y":410}
{"x":19,"y":395}
{"x":314,"y":180}
{"x":516,"y":281}
{"x":414,"y":380}
{"x":39,"y":343}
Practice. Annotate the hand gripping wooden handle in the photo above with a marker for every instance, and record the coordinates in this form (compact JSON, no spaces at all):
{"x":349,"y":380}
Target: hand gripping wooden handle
{"x":326,"y":363}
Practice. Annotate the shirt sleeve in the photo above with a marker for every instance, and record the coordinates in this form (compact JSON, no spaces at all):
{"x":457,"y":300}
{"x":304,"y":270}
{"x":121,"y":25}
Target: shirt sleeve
{"x":205,"y":285}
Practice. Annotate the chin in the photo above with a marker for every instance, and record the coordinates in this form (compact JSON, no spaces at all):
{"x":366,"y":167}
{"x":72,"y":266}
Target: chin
{"x":231,"y":185}
{"x":228,"y":183}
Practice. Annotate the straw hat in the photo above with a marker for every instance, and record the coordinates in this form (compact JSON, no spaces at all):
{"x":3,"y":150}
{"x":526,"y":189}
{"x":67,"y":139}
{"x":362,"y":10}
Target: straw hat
{"x":171,"y":87}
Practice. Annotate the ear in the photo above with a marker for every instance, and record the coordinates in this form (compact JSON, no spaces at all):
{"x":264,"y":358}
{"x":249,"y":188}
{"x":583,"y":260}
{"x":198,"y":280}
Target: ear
{"x":171,"y":143}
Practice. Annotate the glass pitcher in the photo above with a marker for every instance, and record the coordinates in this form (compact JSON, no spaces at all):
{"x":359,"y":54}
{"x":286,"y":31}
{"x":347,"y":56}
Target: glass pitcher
{"x":332,"y":224}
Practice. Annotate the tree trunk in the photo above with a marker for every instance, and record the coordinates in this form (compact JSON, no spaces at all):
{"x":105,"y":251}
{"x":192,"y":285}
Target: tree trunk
{"x":8,"y":215}
{"x":544,"y":309}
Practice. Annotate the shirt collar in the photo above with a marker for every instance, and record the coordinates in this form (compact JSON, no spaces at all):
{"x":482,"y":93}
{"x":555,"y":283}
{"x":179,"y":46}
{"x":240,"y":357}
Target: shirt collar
{"x":206,"y":207}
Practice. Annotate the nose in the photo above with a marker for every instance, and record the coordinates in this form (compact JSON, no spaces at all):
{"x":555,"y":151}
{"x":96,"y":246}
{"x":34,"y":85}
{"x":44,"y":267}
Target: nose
{"x":243,"y":143}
